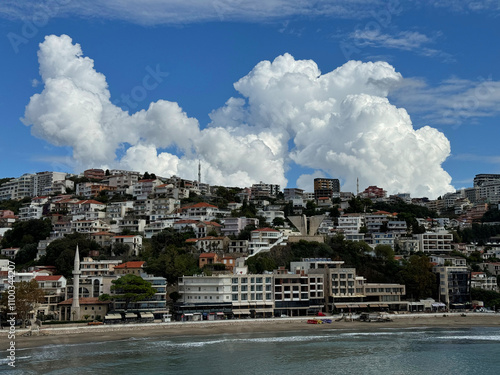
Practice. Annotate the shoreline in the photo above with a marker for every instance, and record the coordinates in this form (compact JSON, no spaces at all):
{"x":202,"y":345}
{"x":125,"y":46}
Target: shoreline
{"x":88,"y":334}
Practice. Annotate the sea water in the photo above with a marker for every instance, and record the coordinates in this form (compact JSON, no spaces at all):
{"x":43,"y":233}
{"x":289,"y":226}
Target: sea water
{"x":474,"y":350}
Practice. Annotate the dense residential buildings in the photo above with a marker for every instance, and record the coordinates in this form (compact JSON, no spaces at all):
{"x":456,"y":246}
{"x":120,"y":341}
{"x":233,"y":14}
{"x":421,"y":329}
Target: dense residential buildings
{"x":326,"y":188}
{"x":138,"y":208}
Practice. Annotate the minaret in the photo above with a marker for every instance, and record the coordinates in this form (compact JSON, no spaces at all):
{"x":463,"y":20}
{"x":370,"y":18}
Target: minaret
{"x":75,"y":306}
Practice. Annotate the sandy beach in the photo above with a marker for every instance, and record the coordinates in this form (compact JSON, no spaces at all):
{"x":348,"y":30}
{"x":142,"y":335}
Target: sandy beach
{"x":83,"y":333}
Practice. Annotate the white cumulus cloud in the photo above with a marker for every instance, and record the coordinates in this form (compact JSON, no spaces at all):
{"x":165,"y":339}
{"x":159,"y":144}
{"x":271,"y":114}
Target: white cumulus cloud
{"x":340,"y":124}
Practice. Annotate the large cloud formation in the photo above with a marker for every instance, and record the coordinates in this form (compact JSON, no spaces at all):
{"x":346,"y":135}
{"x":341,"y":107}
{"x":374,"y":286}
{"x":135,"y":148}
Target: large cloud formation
{"x":339,"y":124}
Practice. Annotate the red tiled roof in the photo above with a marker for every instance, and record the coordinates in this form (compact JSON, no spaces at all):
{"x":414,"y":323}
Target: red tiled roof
{"x":208,"y":255}
{"x":199,"y":205}
{"x":133,"y":264}
{"x":102,"y":234}
{"x":186,"y":221}
{"x":91,"y":201}
{"x":214,"y":223}
{"x":192,"y":240}
{"x":48,"y":278}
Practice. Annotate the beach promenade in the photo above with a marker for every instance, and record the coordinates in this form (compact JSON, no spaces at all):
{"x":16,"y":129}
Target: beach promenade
{"x":83,"y":333}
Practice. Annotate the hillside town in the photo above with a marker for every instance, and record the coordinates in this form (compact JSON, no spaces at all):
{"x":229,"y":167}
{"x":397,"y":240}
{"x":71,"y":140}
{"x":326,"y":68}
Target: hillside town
{"x":213,"y":252}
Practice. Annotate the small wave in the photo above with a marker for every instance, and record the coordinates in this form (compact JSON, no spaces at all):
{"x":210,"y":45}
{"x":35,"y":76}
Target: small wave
{"x":469,"y":338}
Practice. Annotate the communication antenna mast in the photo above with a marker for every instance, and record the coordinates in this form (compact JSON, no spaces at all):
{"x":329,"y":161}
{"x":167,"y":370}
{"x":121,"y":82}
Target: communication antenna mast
{"x":199,"y":171}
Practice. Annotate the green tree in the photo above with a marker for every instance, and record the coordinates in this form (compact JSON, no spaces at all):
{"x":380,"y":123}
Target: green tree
{"x":384,"y":252}
{"x":278,"y":222}
{"x":131,"y":288}
{"x":26,"y":254}
{"x":260,"y":263}
{"x":28,"y":296}
{"x":418,"y":277}
{"x":61,"y":252}
{"x":27,"y":232}
{"x":175,"y":296}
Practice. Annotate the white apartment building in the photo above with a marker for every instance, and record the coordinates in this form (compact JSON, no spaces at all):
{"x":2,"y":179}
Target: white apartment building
{"x":234,"y":225}
{"x":482,"y":281}
{"x":157,"y":226}
{"x":435,"y":242}
{"x":17,"y":188}
{"x":264,"y":239}
{"x":89,"y":226}
{"x":205,"y":289}
{"x":143,"y":188}
{"x":30,"y":212}
{"x":134,"y":243}
{"x":44,"y":180}
{"x":91,"y":267}
{"x":270,"y":215}
{"x":350,"y":223}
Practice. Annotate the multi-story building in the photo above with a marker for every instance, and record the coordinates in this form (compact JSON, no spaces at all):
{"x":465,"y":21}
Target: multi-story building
{"x":454,"y":284}
{"x":373,"y":192}
{"x":263,"y":239}
{"x":382,"y":239}
{"x":346,"y":291}
{"x":375,"y":221}
{"x":89,"y":226}
{"x":209,"y":243}
{"x":54,"y":292}
{"x":200,"y":211}
{"x":480,"y":179}
{"x":134,"y":268}
{"x":96,"y":174}
{"x":270,"y":215}
{"x":204,"y":297}
{"x":448,"y":260}
{"x":262,"y":190}
{"x":132,"y":224}
{"x":493,"y":267}
{"x":350,"y":223}
{"x":293,"y":193}
{"x":481,"y":280}
{"x":133,"y":241}
{"x":326,"y":187}
{"x":435,"y":242}
{"x":144,"y":188}
{"x":397,"y":226}
{"x":17,"y":188}
{"x":252,"y":295}
{"x":234,"y":225}
{"x":238,"y":246}
{"x":30,"y":212}
{"x":92,"y":267}
{"x":44,"y":180}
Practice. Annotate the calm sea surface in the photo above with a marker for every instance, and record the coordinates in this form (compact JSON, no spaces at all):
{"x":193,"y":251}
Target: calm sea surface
{"x":331,"y":351}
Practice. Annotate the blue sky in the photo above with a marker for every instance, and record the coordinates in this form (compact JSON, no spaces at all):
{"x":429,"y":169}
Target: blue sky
{"x":422,"y":119}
